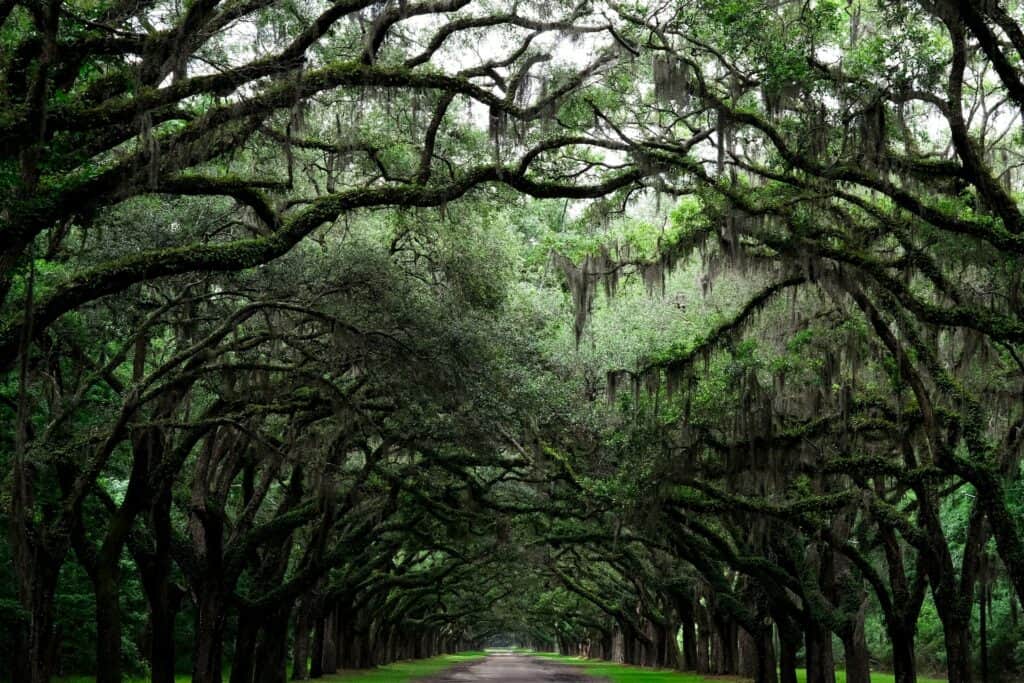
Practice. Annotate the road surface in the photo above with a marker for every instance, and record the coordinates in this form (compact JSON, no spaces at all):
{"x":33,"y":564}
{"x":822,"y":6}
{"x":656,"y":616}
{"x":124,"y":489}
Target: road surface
{"x":511,"y":668}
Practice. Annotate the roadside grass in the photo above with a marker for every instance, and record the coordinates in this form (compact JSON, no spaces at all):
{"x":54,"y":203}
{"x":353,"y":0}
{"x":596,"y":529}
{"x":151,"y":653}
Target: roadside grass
{"x":876,"y":677}
{"x":621,"y":673}
{"x":399,"y":672}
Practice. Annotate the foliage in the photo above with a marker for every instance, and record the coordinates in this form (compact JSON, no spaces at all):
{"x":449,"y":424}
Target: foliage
{"x":684,"y":335}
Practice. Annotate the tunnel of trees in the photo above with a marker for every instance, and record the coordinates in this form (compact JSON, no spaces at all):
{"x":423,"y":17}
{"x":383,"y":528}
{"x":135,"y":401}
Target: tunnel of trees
{"x":687,"y":334}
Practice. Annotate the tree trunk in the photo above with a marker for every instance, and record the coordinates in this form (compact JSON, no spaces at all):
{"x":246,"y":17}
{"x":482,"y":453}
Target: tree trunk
{"x":38,"y":639}
{"x":670,"y":646}
{"x":370,"y":647}
{"x":300,"y":643}
{"x":162,"y":596}
{"x":161,"y":626}
{"x":748,"y":655}
{"x":766,"y":670}
{"x":347,"y":640}
{"x":855,"y":650}
{"x":724,"y":642}
{"x":821,"y":667}
{"x":652,"y":647}
{"x":788,"y":648}
{"x":983,"y":599}
{"x":108,"y":623}
{"x":331,"y":661}
{"x":390,"y":645}
{"x":628,"y":647}
{"x":716,"y":657}
{"x":904,"y":659}
{"x":243,"y":663}
{"x":685,"y":608}
{"x":958,"y":650}
{"x":704,"y":648}
{"x":316,"y":664}
{"x":353,"y":647}
{"x":272,"y":652}
{"x":628,"y":644}
{"x":209,"y":634}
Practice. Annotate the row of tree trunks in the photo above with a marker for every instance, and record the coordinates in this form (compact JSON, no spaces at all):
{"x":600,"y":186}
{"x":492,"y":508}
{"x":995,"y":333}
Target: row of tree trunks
{"x":338,"y":638}
{"x":701,"y":638}
{"x":717,"y":645}
{"x":654,"y":645}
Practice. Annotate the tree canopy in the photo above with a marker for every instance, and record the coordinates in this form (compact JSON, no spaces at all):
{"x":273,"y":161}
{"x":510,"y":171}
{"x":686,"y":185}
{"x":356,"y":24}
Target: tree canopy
{"x":684,"y":334}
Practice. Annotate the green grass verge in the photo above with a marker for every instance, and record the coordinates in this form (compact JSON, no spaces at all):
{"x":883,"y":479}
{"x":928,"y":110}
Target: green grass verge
{"x":634,"y":674}
{"x":625,"y":674}
{"x":876,"y":677}
{"x":401,"y":672}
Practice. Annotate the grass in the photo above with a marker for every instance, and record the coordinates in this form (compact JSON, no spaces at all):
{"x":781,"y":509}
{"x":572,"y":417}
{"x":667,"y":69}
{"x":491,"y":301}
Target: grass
{"x":399,"y":672}
{"x":620,"y":673}
{"x":876,"y":677}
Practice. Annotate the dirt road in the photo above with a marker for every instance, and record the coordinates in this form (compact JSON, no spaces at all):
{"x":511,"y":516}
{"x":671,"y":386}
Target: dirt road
{"x":511,"y":668}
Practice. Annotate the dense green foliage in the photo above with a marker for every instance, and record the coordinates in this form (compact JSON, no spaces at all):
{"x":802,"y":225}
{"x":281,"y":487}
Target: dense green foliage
{"x":685,"y":334}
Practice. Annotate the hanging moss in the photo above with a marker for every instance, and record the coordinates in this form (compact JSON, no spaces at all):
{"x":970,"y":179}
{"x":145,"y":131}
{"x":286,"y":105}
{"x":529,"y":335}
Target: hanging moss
{"x":602,"y":268}
{"x":778,"y":98}
{"x":652,"y":380}
{"x":497,"y":125}
{"x":610,"y":275}
{"x":151,"y":149}
{"x":581,"y":283}
{"x":721,"y":138}
{"x":524,"y":91}
{"x":671,"y":79}
{"x":677,"y":374}
{"x":872,"y":134}
{"x":613,"y":380}
{"x":653,"y":275}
